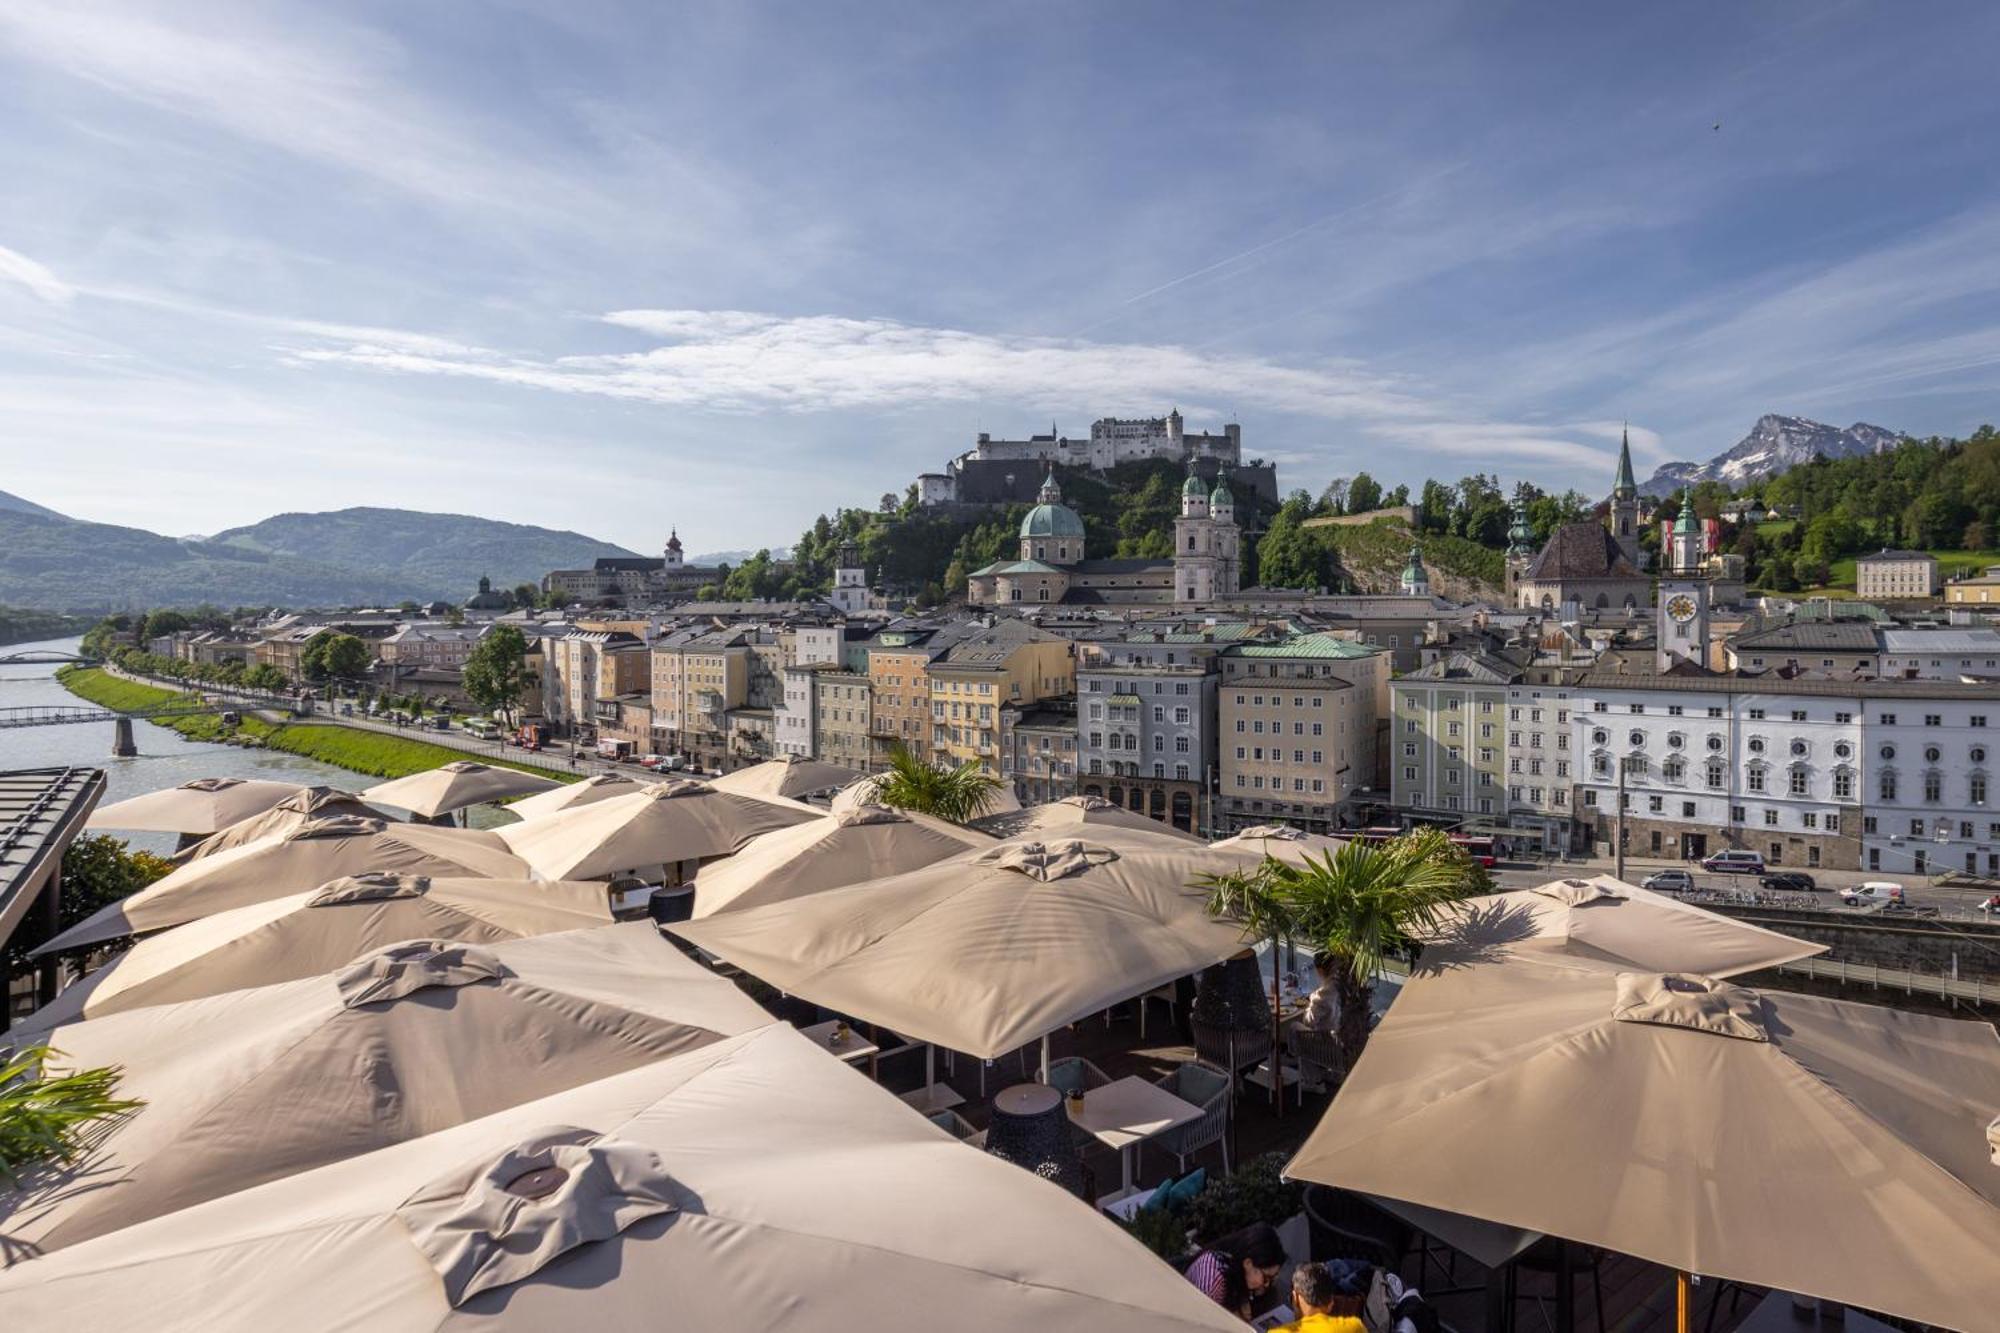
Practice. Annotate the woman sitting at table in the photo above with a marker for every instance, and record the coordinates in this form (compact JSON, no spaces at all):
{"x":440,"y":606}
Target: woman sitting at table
{"x":1322,"y":1006}
{"x":1239,"y":1267}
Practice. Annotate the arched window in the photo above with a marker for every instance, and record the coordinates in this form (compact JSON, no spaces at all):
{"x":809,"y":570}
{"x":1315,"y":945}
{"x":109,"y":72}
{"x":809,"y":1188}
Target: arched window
{"x":1843,"y":784}
{"x":1674,"y":769}
{"x":1603,"y":602}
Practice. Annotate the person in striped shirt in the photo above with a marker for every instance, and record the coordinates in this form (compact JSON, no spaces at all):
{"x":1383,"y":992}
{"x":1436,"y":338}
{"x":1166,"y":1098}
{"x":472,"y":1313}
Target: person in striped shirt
{"x":1238,"y":1268}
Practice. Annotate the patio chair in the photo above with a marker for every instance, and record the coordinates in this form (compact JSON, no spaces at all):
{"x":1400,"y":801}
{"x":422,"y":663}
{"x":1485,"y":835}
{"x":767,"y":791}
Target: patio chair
{"x":1207,"y":1087}
{"x":1344,"y":1225}
{"x":1073,"y":1073}
{"x":954,"y":1124}
{"x":1169,"y":995}
{"x":1321,"y":1063}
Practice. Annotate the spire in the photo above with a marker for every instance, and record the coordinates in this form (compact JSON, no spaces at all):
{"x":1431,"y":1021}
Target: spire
{"x":1623,"y":485}
{"x":1050,"y":493}
{"x":1686,"y":522}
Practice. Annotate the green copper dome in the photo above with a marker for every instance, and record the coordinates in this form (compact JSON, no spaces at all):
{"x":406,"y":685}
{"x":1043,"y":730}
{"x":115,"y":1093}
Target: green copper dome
{"x":1220,"y":495}
{"x":1052,"y":520}
{"x":1193,"y":485}
{"x":1687,"y":521}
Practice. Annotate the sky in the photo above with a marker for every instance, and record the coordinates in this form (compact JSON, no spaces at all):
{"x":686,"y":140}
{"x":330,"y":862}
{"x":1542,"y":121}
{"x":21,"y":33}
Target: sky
{"x":621,"y":268}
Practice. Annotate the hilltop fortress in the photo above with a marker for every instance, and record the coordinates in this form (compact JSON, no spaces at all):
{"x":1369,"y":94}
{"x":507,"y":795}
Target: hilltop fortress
{"x":997,"y":472}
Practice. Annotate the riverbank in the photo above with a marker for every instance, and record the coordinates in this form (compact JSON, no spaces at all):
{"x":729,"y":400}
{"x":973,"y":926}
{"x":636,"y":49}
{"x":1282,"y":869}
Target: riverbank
{"x":366,"y":752}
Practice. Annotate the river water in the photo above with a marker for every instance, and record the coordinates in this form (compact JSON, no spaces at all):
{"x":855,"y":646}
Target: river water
{"x":165,"y":759}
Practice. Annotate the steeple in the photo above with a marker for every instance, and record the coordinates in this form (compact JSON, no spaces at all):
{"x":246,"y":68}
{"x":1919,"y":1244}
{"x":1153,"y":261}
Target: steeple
{"x":1050,"y":494}
{"x":1520,"y":536}
{"x":1623,"y":485}
{"x":1416,"y":583}
{"x":673,"y":546}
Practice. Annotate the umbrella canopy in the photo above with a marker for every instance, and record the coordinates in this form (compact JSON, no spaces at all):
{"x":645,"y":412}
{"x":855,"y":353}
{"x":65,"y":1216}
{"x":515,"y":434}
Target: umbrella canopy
{"x":306,"y":934}
{"x":252,"y":1085}
{"x":872,"y":842}
{"x":753,"y":1184}
{"x":456,"y":786}
{"x":1778,"y":1140}
{"x":660,"y":823}
{"x":301,"y":807}
{"x":1281,"y":842}
{"x":1604,"y":920}
{"x":988,"y":951}
{"x":597,"y":787}
{"x":1077,"y":817}
{"x":790,"y":776}
{"x":307,"y":857}
{"x":204,"y":806}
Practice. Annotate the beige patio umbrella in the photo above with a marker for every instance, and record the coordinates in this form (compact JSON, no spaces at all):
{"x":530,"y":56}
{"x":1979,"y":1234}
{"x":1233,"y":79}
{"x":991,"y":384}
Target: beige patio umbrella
{"x":307,"y":857}
{"x":752,"y":1184}
{"x":597,"y":787}
{"x":1778,"y":1140}
{"x":790,"y":776}
{"x":203,"y":806}
{"x":305,"y":934}
{"x":1077,"y":817}
{"x":442,"y":790}
{"x":1605,"y":920}
{"x":660,"y":823}
{"x":985,"y":952}
{"x":853,"y":847}
{"x":252,"y":1085}
{"x":301,"y":807}
{"x":1282,"y":842}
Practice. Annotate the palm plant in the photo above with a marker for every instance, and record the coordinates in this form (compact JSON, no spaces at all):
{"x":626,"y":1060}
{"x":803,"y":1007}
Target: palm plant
{"x":1357,"y":905}
{"x":45,"y":1116}
{"x":955,"y":793}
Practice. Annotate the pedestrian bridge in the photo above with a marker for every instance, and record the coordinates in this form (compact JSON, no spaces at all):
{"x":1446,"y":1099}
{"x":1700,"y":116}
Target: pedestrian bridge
{"x":42,"y":657}
{"x":65,"y":715}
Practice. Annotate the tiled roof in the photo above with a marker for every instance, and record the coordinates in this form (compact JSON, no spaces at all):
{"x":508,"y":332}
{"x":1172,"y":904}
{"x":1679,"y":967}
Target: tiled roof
{"x":41,"y":812}
{"x":1838,"y":636}
{"x":1581,"y":551}
{"x":1887,"y":554}
{"x":1468,"y":666}
{"x":1324,"y":646}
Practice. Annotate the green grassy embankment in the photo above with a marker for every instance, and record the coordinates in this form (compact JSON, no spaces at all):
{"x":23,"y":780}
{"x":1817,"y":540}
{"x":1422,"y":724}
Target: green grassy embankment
{"x":366,"y":752}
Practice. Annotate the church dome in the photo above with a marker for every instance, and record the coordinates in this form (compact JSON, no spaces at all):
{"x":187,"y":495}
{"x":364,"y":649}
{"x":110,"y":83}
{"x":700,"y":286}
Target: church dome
{"x":1193,"y":487}
{"x":1052,"y":520}
{"x":1220,"y":495}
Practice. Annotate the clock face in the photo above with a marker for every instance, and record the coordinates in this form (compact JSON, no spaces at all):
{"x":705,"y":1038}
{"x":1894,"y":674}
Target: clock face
{"x":1681,"y":607}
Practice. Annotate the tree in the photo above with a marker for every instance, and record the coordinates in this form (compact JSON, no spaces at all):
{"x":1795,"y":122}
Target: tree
{"x":264,"y":676}
{"x":526,"y":596}
{"x":162,"y":623}
{"x":312,"y":657}
{"x":1363,"y":494}
{"x":1357,"y":905}
{"x":953,"y":793}
{"x":1434,"y":509}
{"x":97,"y":870}
{"x":345,"y":657}
{"x":496,"y":670}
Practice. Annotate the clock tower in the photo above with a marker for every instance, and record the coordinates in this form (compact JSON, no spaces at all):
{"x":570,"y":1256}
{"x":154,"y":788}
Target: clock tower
{"x":1681,"y":631}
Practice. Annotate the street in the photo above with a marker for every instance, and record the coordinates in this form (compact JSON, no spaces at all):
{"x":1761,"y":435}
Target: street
{"x":1918,"y":888}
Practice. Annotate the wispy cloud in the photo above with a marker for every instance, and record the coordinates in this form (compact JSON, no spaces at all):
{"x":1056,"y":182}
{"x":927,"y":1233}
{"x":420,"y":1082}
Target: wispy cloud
{"x":35,"y":276}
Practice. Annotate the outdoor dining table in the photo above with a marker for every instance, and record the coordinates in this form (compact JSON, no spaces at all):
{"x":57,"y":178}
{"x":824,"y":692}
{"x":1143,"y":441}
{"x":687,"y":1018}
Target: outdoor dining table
{"x":1124,"y":1112}
{"x":853,"y":1048}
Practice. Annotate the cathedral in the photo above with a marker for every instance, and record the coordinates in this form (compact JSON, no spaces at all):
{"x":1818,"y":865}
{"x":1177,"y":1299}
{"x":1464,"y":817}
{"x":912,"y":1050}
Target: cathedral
{"x":1599,"y":566}
{"x":1206,"y":566}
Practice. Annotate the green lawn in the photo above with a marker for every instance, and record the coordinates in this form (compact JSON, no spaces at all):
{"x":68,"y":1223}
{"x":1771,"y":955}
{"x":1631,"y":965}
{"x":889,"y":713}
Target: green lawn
{"x":367,"y":752}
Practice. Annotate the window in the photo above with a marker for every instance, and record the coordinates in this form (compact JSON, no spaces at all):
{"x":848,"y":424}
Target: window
{"x":1932,"y":754}
{"x":1770,"y":819}
{"x":1675,"y":740}
{"x":1673,"y":710}
{"x":1798,"y":715}
{"x":1833,"y":823}
{"x":1933,"y":786}
{"x":1715,"y":744}
{"x":1916,"y":828}
{"x":1655,"y":804}
{"x":1809,"y":819}
{"x":1797,"y":780}
{"x":1887,"y":786}
{"x":1842,"y":750}
{"x":1736,"y":814}
{"x":1599,"y":736}
{"x":1843,"y":718}
{"x":1715,"y":710}
{"x":1637,"y":708}
{"x":1636,"y":739}
{"x":1756,"y":715}
{"x":1888,"y":719}
{"x":1843,"y":784}
{"x":1754,"y":779}
{"x":1687,"y":809}
{"x":1868,"y":824}
{"x":1756,"y":745}
{"x":1717,"y":775}
{"x":1977,"y":785}
{"x":1933,"y":719}
{"x":1978,"y":754}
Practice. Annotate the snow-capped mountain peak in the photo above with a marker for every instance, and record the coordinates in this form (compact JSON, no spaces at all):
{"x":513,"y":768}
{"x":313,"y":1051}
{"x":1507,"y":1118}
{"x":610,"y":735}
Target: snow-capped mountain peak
{"x":1775,"y":444}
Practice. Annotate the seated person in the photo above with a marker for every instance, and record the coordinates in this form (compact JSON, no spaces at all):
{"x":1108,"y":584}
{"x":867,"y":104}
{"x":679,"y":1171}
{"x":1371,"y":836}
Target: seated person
{"x":1329,"y":1300}
{"x":1239,"y":1267}
{"x":1323,"y":1005}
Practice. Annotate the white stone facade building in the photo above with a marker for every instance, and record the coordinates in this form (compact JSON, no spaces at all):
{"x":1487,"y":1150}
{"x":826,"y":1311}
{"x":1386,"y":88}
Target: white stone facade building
{"x":1896,"y":576}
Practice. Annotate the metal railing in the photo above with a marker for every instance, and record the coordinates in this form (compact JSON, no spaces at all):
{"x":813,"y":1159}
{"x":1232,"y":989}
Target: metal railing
{"x":1910,"y":983}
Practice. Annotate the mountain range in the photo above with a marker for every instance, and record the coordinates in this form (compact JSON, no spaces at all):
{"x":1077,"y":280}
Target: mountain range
{"x":354,"y":557}
{"x":1775,"y":444}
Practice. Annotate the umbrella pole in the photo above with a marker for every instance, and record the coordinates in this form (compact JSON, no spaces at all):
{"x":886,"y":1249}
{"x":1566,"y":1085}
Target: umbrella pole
{"x":1045,"y":1058}
{"x":1681,"y":1303}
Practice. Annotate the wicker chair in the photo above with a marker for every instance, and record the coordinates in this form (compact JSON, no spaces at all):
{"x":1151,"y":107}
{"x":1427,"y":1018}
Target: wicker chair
{"x":1320,"y":1060}
{"x":1347,"y":1226}
{"x":954,"y":1124}
{"x":1207,"y":1087}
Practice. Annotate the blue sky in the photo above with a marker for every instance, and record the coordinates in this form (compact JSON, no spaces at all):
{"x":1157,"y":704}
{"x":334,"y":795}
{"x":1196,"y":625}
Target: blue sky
{"x":617,"y":267}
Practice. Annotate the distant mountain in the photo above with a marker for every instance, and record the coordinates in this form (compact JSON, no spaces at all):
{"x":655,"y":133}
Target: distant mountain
{"x":14,"y":504}
{"x":735,"y":558}
{"x":1775,"y":444}
{"x":347,"y":557}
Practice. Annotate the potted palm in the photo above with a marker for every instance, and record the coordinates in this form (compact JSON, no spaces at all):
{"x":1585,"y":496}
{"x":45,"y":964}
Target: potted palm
{"x":1358,"y":905}
{"x":955,"y":793}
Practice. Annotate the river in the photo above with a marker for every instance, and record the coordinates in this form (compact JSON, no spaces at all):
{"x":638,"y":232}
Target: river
{"x":165,"y":759}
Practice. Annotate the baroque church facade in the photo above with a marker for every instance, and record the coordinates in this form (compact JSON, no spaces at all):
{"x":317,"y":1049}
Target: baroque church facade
{"x":1053,"y":570}
{"x":1598,"y":566}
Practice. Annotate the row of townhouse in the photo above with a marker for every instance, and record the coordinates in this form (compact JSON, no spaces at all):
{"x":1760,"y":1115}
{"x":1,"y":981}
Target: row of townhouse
{"x":1865,"y":648}
{"x":1887,"y":775}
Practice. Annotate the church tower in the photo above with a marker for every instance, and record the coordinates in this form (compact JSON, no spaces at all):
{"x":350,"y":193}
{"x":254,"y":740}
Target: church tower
{"x":850,"y":580}
{"x":1225,"y":536}
{"x":1625,"y":505}
{"x":673,"y":553}
{"x":1520,"y":544}
{"x":1686,"y":543}
{"x":1681,"y":631}
{"x":1207,"y":542}
{"x":1416,"y":582}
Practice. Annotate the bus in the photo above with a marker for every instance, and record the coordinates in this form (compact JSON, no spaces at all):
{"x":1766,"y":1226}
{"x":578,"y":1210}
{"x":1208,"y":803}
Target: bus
{"x":1479,"y":847}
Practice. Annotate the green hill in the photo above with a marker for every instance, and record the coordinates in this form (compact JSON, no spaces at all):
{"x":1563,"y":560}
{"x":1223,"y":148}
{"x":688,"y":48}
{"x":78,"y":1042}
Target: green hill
{"x":1373,"y":555}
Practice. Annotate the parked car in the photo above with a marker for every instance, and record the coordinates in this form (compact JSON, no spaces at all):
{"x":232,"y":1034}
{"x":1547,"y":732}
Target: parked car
{"x":1787,"y":881}
{"x":1669,"y":881}
{"x":1734,"y":863}
{"x":1872,"y":893}
{"x":442,"y":722}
